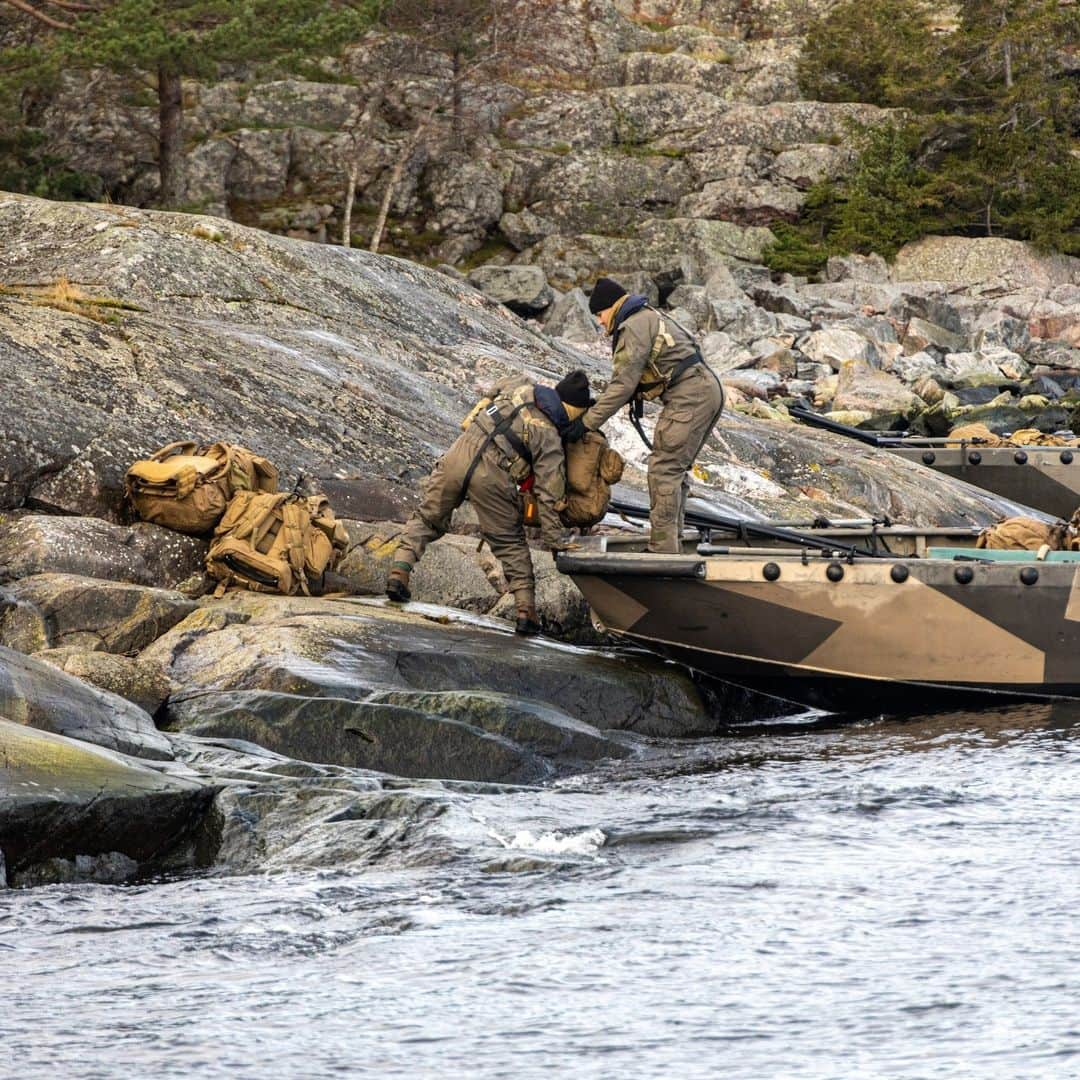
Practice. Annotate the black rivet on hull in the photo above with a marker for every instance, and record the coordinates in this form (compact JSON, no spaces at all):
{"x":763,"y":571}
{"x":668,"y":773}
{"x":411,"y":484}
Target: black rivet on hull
{"x":770,"y":571}
{"x":834,"y":571}
{"x":1066,"y":457}
{"x":899,"y":573}
{"x":975,"y":457}
{"x":1029,"y":575}
{"x":963,"y":574}
{"x":929,"y":457}
{"x":1020,"y":457}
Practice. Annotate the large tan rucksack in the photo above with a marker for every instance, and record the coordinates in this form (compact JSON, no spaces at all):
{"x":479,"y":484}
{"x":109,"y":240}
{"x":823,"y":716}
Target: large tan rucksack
{"x":275,"y":543}
{"x":1023,"y":534}
{"x":591,"y":468}
{"x":187,"y":488}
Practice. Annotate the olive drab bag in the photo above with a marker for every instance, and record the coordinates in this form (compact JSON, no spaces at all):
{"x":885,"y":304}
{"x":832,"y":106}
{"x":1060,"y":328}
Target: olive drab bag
{"x":591,"y":468}
{"x":186,"y":488}
{"x":275,"y":543}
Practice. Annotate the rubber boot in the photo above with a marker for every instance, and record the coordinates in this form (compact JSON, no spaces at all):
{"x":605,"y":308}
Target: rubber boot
{"x":397,"y":586}
{"x":528,"y":622}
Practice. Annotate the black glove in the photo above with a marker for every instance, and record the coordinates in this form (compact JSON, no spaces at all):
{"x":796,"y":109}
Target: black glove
{"x":575,"y":431}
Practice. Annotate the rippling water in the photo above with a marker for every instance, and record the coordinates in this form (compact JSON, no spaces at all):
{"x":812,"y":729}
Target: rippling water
{"x":885,"y":899}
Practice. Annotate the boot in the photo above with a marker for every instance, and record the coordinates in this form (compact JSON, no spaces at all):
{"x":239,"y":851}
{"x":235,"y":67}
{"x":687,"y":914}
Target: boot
{"x":397,"y":586}
{"x":528,"y":622}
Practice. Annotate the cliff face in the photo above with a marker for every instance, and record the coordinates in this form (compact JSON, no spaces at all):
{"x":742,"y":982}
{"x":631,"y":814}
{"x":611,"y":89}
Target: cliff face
{"x":122,"y":330}
{"x":618,"y":114}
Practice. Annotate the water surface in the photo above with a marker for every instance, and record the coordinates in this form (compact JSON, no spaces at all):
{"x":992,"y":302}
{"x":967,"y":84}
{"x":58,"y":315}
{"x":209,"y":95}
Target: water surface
{"x":878,"y":899}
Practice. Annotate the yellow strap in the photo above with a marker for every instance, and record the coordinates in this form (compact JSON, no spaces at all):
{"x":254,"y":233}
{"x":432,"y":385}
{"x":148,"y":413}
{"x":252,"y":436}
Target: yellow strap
{"x":171,"y":449}
{"x":292,"y":521}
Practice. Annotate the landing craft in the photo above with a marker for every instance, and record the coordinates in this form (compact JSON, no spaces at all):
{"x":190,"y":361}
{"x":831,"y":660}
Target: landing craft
{"x":878,"y":617}
{"x":1044,"y":477}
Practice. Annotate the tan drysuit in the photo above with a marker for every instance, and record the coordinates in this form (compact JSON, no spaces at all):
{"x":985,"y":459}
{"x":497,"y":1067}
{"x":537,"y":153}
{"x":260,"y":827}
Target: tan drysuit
{"x":493,"y":487}
{"x":691,"y":409}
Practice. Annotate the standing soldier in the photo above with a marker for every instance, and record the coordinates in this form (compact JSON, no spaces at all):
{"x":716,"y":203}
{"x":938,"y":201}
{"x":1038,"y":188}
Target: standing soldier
{"x":510,"y":465}
{"x":653,"y":357}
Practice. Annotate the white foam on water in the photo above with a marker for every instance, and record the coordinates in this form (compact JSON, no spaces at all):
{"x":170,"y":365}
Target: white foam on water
{"x":556,"y":843}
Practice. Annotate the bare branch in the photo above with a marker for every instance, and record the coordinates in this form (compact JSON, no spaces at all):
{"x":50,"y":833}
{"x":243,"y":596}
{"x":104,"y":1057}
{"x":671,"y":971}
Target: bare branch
{"x":72,"y":5}
{"x":32,"y":11}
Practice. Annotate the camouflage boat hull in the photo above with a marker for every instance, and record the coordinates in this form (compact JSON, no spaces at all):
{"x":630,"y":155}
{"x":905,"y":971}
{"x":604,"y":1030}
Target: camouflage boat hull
{"x":884,"y":634}
{"x":1046,"y":478}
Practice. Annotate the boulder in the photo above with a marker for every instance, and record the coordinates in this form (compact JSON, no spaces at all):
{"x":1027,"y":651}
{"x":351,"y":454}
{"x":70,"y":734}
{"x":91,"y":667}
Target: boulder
{"x":841,"y":298}
{"x":694,"y":247}
{"x":743,"y":321}
{"x":69,"y":811}
{"x":990,"y":366}
{"x":1054,"y":355}
{"x":142,"y":554}
{"x":525,"y":227}
{"x":912,"y":368}
{"x":809,"y":164}
{"x":142,"y":682}
{"x":462,"y":735}
{"x":523,"y":289}
{"x":997,"y":330}
{"x":57,"y":610}
{"x":36,"y":694}
{"x":747,"y":202}
{"x":867,"y":268}
{"x":722,"y":285}
{"x":685,"y":318}
{"x":569,"y":318}
{"x":781,"y":300}
{"x":921,"y":335}
{"x":452,"y":572}
{"x":755,"y":384}
{"x":696,"y":300}
{"x":637,"y":281}
{"x":864,"y":388}
{"x":352,"y":649}
{"x":976,"y":261}
{"x":835,"y":347}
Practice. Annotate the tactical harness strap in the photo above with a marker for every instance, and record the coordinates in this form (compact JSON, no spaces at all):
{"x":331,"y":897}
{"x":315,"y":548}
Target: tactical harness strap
{"x":503,"y":428}
{"x":637,"y":403}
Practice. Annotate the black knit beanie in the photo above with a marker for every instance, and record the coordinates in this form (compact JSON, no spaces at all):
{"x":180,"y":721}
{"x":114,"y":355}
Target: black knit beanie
{"x":574,"y":389}
{"x":605,"y":293}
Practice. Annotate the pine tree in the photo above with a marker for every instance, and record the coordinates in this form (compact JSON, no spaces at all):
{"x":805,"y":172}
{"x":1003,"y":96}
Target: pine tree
{"x":172,"y":39}
{"x":985,"y":144}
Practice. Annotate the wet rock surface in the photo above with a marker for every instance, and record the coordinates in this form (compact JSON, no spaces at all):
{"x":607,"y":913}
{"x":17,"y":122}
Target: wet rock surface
{"x":36,"y":694}
{"x":73,"y":812}
{"x":419,"y":691}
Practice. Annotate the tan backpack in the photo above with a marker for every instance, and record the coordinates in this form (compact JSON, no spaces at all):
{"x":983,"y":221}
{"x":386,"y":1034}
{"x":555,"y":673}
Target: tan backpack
{"x":591,"y":468}
{"x":1023,"y":534}
{"x":187,"y":489}
{"x":275,"y":543}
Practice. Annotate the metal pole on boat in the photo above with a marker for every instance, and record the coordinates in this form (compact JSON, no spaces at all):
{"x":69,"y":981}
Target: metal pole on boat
{"x":742,"y":527}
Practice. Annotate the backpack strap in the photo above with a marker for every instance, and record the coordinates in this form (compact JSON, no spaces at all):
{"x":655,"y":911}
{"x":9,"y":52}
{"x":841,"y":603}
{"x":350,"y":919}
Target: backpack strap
{"x":174,"y":448}
{"x":502,"y":428}
{"x":682,"y":367}
{"x":293,"y":518}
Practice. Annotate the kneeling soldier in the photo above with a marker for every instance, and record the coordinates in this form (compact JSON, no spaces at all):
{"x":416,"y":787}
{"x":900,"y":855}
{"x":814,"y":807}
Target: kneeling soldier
{"x":653,"y":357}
{"x":512,"y":445}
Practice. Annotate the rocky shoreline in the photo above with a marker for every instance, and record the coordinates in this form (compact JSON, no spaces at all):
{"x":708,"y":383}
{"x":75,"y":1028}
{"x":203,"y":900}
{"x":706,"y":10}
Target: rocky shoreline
{"x":149,"y":728}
